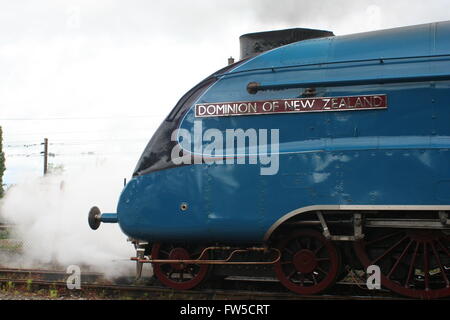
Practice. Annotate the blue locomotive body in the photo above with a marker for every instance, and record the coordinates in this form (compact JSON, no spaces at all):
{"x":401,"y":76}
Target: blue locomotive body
{"x":396,"y":157}
{"x":344,"y":153}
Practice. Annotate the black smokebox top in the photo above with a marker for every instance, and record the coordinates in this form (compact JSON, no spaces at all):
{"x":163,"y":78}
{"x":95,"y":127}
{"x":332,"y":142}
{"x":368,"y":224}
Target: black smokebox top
{"x":255,"y":43}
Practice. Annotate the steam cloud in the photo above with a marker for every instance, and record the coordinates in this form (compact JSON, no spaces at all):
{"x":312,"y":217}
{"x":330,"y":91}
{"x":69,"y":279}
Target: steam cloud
{"x":50,"y":217}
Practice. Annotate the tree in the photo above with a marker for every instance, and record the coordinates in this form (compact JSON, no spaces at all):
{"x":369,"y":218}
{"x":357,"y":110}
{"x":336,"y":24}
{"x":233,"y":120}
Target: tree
{"x":2,"y":162}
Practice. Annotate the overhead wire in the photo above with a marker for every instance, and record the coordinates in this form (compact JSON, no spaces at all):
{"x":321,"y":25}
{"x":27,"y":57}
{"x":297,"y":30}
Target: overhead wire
{"x":81,"y":118}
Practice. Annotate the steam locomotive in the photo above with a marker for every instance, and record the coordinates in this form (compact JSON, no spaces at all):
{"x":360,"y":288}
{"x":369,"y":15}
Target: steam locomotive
{"x":311,"y":154}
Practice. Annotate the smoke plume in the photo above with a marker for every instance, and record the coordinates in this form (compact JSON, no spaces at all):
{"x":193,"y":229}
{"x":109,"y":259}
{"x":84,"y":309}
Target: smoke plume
{"x":50,"y":218}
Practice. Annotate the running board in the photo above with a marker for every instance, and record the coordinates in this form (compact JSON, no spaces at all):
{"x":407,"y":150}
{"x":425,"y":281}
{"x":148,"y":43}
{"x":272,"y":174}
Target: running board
{"x":410,"y":223}
{"x":443,"y":223}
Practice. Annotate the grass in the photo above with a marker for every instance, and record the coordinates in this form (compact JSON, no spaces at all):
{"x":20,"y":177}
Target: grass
{"x":53,"y":293}
{"x":29,"y":284}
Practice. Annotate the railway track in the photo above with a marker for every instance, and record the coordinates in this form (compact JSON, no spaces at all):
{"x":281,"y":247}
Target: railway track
{"x":45,"y":275}
{"x":95,"y":286}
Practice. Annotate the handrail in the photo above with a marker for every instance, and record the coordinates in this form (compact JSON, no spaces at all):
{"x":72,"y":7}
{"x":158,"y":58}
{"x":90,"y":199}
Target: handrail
{"x":380,"y":60}
{"x":254,"y":87}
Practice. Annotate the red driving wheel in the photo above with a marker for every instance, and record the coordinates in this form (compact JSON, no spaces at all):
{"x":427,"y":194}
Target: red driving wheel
{"x":178,"y":276}
{"x":309,"y":262}
{"x":414,"y":263}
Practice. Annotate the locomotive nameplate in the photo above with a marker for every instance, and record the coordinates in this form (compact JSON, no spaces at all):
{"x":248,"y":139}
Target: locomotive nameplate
{"x":320,"y":104}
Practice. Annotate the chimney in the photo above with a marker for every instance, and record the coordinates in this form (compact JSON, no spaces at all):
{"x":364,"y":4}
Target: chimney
{"x":255,"y":43}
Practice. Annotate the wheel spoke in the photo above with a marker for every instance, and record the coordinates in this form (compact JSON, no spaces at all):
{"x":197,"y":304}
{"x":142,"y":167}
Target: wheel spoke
{"x":382,"y":238}
{"x":292,"y":274}
{"x":321,"y":270}
{"x":399,"y":259}
{"x":443,"y":273}
{"x":308,"y":243}
{"x":411,"y":266}
{"x":388,"y":251}
{"x":426,"y":267}
{"x":443,"y":247}
{"x":319,"y":248}
{"x":322,"y":259}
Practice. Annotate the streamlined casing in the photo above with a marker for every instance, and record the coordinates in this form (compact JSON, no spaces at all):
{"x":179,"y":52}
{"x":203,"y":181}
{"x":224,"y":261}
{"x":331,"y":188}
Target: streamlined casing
{"x":398,"y":156}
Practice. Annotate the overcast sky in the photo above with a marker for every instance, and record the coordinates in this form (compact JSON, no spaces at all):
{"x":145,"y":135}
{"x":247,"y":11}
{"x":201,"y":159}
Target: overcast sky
{"x":99,"y":76}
